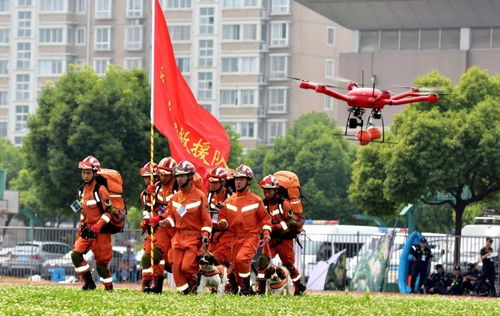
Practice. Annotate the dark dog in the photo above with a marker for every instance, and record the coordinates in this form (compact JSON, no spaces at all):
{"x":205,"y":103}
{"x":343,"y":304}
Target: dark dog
{"x":278,"y":281}
{"x":212,"y":274}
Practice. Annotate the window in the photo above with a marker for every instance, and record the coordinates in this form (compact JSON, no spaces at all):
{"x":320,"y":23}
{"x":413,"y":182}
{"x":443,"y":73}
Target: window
{"x":389,"y":40}
{"x":204,"y":85}
{"x":81,"y":6}
{"x":133,"y":37}
{"x":4,"y":5}
{"x":4,"y":67}
{"x":247,"y":129}
{"x":275,"y":129}
{"x":53,"y":35}
{"x":22,"y":112}
{"x":329,"y":68}
{"x":23,"y":55}
{"x":328,"y":103}
{"x":450,"y":39}
{"x":249,"y":64}
{"x":330,"y":35}
{"x":101,"y":65}
{"x":80,"y":36}
{"x":235,"y":32}
{"x":180,"y":32}
{"x":231,"y":32}
{"x":18,"y":140}
{"x":248,"y":97}
{"x":409,"y":40}
{"x":3,"y":129}
{"x":249,"y":32}
{"x":24,"y":24}
{"x":133,"y":63}
{"x":480,"y":38}
{"x":277,"y":100}
{"x":22,"y":87}
{"x":429,"y":39}
{"x":207,"y":107}
{"x":4,"y":36}
{"x":103,"y":38}
{"x":103,"y":9}
{"x":135,"y":8}
{"x":206,"y":20}
{"x":229,"y":64}
{"x":79,"y":62}
{"x":280,"y":6}
{"x":369,"y":41}
{"x":24,"y":3}
{"x":206,"y":53}
{"x":229,"y":97}
{"x":183,"y":63}
{"x":50,"y":67}
{"x":239,"y":3}
{"x":4,"y":98}
{"x":176,"y":4}
{"x":52,"y":6}
{"x":279,"y":34}
{"x":278,"y":67}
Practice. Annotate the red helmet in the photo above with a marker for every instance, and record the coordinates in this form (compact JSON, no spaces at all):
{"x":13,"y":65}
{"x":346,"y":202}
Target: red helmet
{"x":269,"y":182}
{"x":146,"y":170}
{"x":217,"y":174}
{"x":243,"y":171}
{"x":184,"y":167}
{"x":167,"y":165}
{"x":90,"y":163}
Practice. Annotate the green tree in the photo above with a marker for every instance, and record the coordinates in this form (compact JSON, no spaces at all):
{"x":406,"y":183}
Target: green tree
{"x":10,"y":160}
{"x":85,"y":114}
{"x":450,"y":147}
{"x":321,"y":160}
{"x":236,"y":148}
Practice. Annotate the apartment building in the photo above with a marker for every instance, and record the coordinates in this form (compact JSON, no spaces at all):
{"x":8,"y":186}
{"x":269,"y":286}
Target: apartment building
{"x":235,"y":54}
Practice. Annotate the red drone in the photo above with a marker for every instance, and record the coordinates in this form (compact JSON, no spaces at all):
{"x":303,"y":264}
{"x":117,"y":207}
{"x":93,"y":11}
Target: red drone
{"x":360,"y":99}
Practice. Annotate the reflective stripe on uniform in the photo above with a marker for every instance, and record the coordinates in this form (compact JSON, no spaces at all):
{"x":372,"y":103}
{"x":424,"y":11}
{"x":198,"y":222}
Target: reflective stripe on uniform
{"x":107,"y":280}
{"x":284,"y":225}
{"x":296,"y":279}
{"x":212,"y":205}
{"x":267,"y":227}
{"x":171,"y":221}
{"x":275,"y":212}
{"x":295,"y":202}
{"x":261,"y":275}
{"x":176,"y":205}
{"x":249,"y":207}
{"x":105,"y":217}
{"x":82,"y":268}
{"x":162,"y":262}
{"x":168,"y":198}
{"x":207,"y":229}
{"x":183,"y":287}
{"x":115,"y":195}
{"x":244,"y":275}
{"x":193,"y":205}
{"x":82,"y":217}
{"x":232,"y":207}
{"x":91,"y":202}
{"x":146,"y":271}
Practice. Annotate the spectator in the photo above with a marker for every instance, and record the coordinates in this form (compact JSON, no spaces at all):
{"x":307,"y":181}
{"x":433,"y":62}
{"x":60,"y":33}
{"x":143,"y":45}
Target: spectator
{"x":438,"y":281}
{"x":488,"y":257}
{"x":421,"y":256}
{"x":128,"y":265}
{"x":471,"y":279}
{"x":456,"y":279}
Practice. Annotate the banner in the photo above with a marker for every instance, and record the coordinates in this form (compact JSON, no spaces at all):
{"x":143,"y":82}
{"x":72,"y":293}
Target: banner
{"x":193,"y":133}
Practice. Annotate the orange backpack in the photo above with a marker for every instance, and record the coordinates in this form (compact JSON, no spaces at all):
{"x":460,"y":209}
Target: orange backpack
{"x":112,"y":180}
{"x":290,"y":187}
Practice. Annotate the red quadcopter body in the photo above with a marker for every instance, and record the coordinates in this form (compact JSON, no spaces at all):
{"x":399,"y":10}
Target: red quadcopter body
{"x":360,"y":99}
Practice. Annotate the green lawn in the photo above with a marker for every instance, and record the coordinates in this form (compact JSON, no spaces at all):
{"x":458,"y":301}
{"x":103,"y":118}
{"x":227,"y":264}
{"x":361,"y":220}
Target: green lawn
{"x":60,"y":300}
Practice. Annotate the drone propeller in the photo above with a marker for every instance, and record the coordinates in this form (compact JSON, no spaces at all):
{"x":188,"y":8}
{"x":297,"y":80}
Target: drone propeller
{"x":373,"y":82}
{"x":326,"y":85}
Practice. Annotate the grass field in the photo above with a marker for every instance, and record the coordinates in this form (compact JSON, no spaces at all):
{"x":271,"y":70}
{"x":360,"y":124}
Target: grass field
{"x":64,"y":300}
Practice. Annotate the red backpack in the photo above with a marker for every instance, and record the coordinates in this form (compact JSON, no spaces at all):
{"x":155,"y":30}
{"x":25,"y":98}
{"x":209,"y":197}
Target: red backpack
{"x":112,"y":180}
{"x":290,"y":188}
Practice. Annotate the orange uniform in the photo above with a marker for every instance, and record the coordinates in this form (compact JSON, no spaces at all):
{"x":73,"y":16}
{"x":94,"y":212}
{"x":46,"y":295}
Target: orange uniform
{"x":220,"y":245}
{"x":246,"y":217}
{"x":101,"y":245}
{"x":163,"y":236}
{"x":278,"y":246}
{"x":188,"y":213}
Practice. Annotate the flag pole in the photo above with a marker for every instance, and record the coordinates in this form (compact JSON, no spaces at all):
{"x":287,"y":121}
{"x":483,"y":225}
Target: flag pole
{"x":152,"y":142}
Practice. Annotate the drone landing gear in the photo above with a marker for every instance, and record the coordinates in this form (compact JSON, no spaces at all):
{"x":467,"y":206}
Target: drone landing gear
{"x":355,"y":118}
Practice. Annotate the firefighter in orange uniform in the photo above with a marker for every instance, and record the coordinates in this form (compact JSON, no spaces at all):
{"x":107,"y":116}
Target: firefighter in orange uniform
{"x":280,"y":210}
{"x":188,"y":212}
{"x":245,"y":216}
{"x":145,"y":199}
{"x":91,"y":222}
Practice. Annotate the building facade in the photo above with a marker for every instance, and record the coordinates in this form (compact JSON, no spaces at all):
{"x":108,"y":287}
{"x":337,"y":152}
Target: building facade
{"x":235,"y":54}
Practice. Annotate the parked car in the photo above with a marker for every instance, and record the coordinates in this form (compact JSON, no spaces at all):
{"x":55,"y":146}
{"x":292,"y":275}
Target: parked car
{"x":4,"y":256}
{"x":66,"y":263}
{"x":27,"y":258}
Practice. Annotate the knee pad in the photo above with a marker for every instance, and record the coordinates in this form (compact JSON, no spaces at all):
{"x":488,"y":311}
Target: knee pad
{"x":146,"y":261}
{"x":157,"y":255}
{"x":77,"y":258}
{"x":102,"y":270}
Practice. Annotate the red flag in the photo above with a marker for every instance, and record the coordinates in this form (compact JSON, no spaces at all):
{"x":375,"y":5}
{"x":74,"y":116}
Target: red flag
{"x":192,"y":132}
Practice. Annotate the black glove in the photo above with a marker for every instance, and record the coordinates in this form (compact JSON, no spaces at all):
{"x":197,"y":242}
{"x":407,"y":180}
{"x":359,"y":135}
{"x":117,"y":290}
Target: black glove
{"x":204,"y":240}
{"x":87,"y":233}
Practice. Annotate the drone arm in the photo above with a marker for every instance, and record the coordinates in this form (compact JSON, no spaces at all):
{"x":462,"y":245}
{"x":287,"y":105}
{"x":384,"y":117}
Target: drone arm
{"x":432,"y":98}
{"x":405,"y":94}
{"x":331,"y":93}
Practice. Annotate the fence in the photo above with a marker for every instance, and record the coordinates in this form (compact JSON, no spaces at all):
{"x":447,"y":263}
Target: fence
{"x":46,"y":251}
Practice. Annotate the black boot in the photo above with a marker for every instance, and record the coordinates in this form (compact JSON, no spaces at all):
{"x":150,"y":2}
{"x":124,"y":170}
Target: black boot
{"x":192,"y":286}
{"x":261,"y":286}
{"x":299,"y":288}
{"x":232,"y":285}
{"x":108,"y":287}
{"x":157,"y":284}
{"x":245,"y":287}
{"x":146,"y":286}
{"x":88,"y":281}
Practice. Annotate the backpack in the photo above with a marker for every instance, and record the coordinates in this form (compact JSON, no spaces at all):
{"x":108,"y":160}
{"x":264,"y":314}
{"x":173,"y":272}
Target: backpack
{"x":290,"y":190}
{"x":112,"y":180}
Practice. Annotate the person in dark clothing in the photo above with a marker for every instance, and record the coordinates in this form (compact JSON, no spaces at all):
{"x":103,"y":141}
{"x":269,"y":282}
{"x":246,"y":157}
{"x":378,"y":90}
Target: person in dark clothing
{"x":421,"y":256}
{"x":438,"y":282}
{"x":471,"y":279}
{"x":488,"y":257}
{"x":457,"y":282}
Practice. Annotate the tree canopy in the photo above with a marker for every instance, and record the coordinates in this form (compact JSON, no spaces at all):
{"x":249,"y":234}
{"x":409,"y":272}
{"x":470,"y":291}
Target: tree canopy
{"x":449,"y":148}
